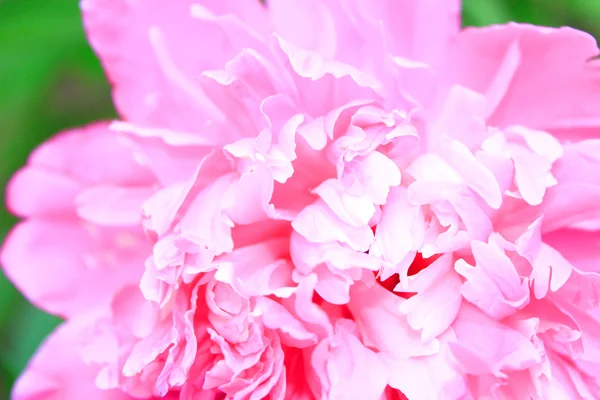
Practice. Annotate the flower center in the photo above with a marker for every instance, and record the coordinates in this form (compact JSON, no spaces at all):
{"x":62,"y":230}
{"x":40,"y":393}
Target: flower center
{"x":418,"y":265}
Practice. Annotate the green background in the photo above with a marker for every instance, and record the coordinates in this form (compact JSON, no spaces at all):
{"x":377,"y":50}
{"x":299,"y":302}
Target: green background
{"x":50,"y":80}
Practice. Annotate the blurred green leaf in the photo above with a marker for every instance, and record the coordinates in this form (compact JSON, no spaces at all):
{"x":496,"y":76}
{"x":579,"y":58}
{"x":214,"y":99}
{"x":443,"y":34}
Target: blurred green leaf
{"x":8,"y":298}
{"x":580,"y":14}
{"x":28,"y":328}
{"x":5,"y":383}
{"x":480,"y":13}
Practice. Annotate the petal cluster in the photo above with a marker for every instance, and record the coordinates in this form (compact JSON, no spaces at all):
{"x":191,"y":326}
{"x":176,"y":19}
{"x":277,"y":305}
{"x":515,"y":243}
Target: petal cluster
{"x":319,"y":200}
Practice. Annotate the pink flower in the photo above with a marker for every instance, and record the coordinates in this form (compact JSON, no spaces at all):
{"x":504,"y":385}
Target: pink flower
{"x":319,"y":199}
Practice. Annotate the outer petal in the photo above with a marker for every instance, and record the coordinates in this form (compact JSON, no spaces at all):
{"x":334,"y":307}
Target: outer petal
{"x":60,"y":262}
{"x":417,"y":29}
{"x":69,"y":267}
{"x":83,"y":154}
{"x":290,"y":19}
{"x":362,"y":32}
{"x":63,"y":166}
{"x":523,"y":67}
{"x":32,"y":184}
{"x":412,"y":29}
{"x":154,"y":37}
{"x":58,"y":373}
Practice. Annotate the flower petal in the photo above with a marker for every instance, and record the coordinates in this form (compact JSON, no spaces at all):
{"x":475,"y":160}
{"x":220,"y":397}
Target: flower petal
{"x":68,"y":267}
{"x":153,"y":36}
{"x":552,"y":81}
{"x":57,"y":371}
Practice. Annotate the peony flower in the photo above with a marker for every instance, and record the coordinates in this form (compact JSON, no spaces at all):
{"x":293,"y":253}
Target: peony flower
{"x":319,"y":199}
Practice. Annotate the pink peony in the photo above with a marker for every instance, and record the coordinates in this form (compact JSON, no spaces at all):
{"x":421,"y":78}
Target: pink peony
{"x":319,"y":199}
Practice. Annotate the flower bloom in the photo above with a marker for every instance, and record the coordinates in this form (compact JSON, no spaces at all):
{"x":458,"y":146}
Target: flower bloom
{"x":319,"y":199}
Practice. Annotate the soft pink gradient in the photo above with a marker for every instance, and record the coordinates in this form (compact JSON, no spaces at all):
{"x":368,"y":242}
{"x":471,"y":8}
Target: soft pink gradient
{"x":319,"y":199}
